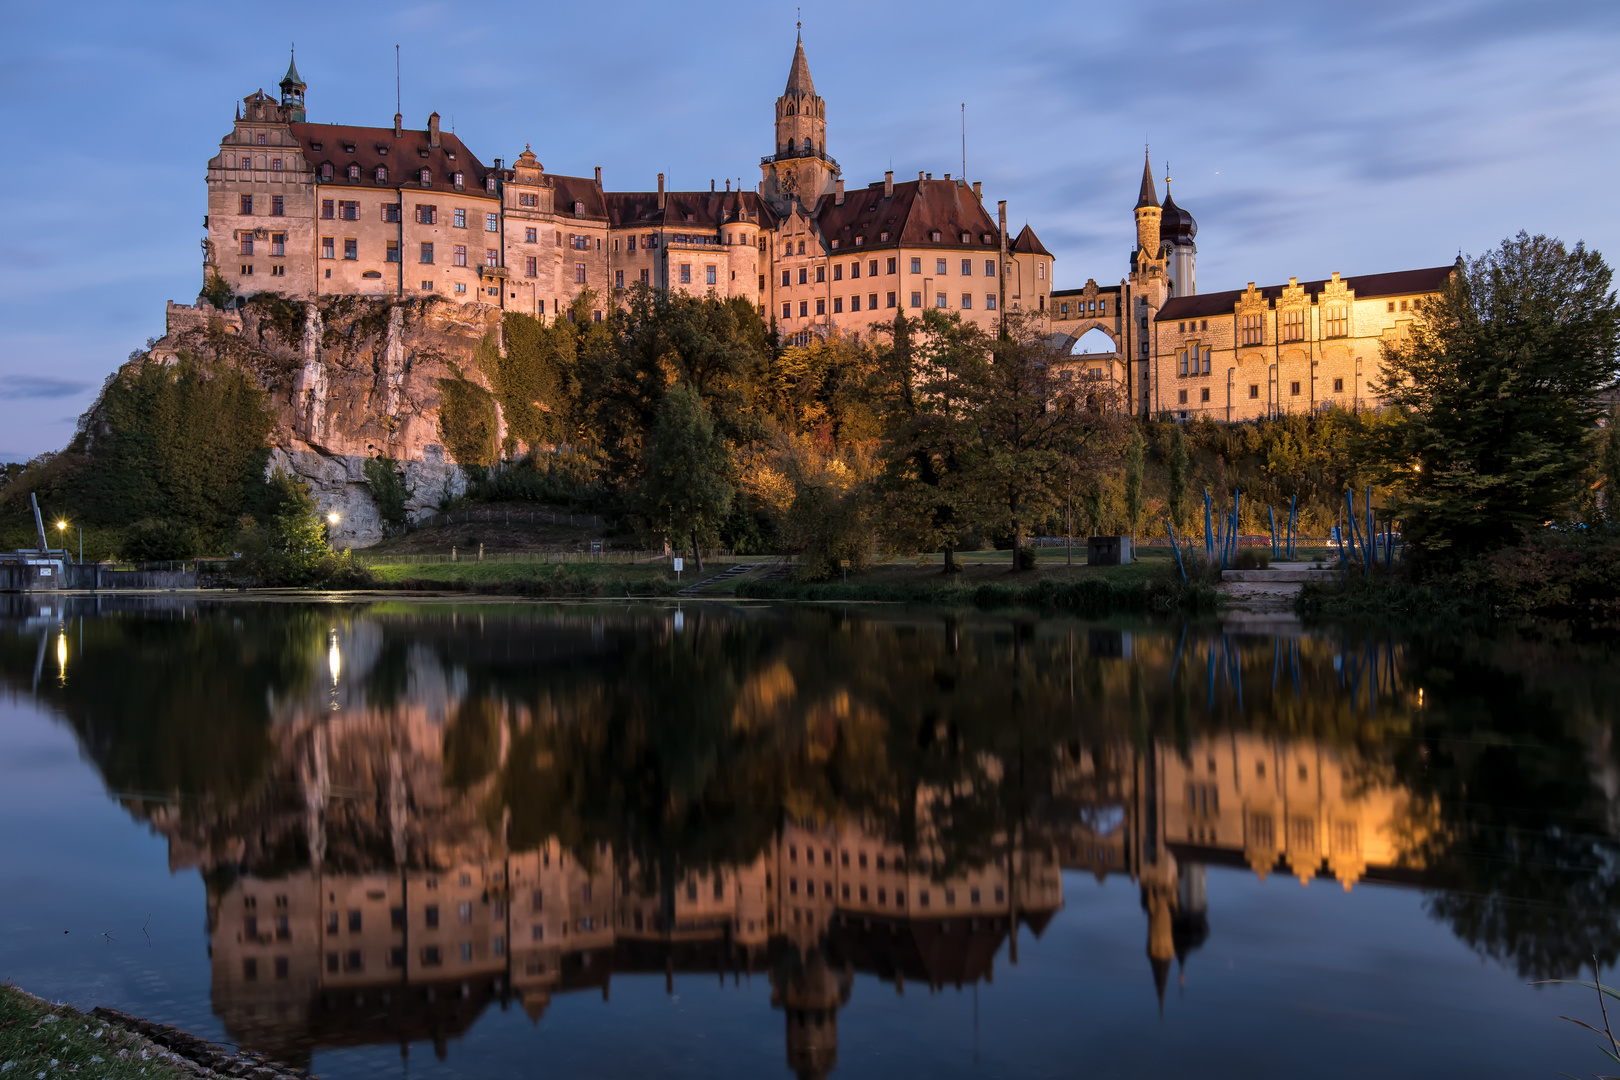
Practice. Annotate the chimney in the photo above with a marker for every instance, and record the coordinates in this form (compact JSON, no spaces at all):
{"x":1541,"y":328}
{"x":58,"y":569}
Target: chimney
{"x":599,"y":176}
{"x":947,"y":176}
{"x":919,"y":174}
{"x":838,"y":196}
{"x":888,"y":184}
{"x":977,"y":193}
{"x":399,"y":126}
{"x":711,"y":185}
{"x":433,"y":130}
{"x":660,"y":191}
{"x":728,"y":185}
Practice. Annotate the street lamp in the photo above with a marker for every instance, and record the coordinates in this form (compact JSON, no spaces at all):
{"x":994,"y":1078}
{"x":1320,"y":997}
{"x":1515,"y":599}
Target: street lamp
{"x":61,"y":531}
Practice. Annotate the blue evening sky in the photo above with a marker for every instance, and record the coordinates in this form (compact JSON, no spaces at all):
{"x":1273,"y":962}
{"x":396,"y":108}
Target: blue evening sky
{"x":1306,"y":138}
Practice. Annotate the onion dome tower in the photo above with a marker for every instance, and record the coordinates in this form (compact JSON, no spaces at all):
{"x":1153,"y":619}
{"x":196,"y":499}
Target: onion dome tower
{"x":1176,"y":231}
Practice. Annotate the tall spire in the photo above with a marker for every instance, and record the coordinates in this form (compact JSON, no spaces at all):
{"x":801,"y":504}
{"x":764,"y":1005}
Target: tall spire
{"x":799,"y":81}
{"x":1149,"y":195}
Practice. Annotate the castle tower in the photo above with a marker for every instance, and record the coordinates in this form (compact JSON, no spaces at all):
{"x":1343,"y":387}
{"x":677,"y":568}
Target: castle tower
{"x":800,"y":168}
{"x":292,"y":93}
{"x":1148,"y":213}
{"x":1176,"y":231}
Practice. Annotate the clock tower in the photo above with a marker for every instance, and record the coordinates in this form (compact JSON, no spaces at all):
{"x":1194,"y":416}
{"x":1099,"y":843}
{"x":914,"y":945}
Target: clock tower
{"x":800,"y":170}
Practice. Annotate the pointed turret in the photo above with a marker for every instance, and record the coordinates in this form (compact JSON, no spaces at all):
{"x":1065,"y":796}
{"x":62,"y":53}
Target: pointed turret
{"x":799,"y":81}
{"x":1150,"y":194}
{"x":292,"y":92}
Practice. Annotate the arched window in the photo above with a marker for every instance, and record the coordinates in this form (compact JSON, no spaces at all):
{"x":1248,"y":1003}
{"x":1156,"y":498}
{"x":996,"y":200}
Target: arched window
{"x":807,"y":146}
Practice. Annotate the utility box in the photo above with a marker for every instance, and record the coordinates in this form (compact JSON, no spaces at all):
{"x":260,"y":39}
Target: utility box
{"x":42,"y":575}
{"x":1108,"y":550}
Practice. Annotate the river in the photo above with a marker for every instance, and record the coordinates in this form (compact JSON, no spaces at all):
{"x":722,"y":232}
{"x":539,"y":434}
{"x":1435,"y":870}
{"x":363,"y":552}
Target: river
{"x":488,"y":840}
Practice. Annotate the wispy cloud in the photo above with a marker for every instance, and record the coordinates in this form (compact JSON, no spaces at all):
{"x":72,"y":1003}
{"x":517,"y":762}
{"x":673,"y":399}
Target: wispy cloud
{"x":39,"y":386}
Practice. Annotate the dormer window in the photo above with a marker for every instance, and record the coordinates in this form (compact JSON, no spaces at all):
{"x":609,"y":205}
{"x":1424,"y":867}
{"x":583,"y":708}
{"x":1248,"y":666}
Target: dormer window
{"x":489,"y":183}
{"x":985,"y":237}
{"x":860,"y":241}
{"x":690,"y":218}
{"x":348,"y":148}
{"x":382,"y":174}
{"x":382,"y":151}
{"x":354,"y":172}
{"x":425,"y":176}
{"x":456,"y":178}
{"x":883,"y":237}
{"x":315,"y":146}
{"x":872,"y":209}
{"x":967,"y":238}
{"x":934,"y":236}
{"x":579,"y":209}
{"x":451,"y":154}
{"x":326,"y":171}
{"x":835,"y":243}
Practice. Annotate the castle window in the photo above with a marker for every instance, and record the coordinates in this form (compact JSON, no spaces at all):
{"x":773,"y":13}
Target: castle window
{"x":1253,"y":329}
{"x":871,"y":302}
{"x":916,"y":299}
{"x":835,"y":243}
{"x":1207,"y":351}
{"x":710,"y":275}
{"x":860,"y":241}
{"x":581,"y":243}
{"x":1181,"y":328}
{"x":278,"y":206}
{"x":787,"y":311}
{"x":1183,"y":398}
{"x":492,"y":223}
{"x":686,"y":273}
{"x":786,"y":276}
{"x":456,"y":179}
{"x":1063,"y":308}
{"x":246,"y":243}
{"x":838,"y":270}
{"x":1203,"y":324}
{"x":489,"y":183}
{"x":916,"y":266}
{"x":1204,"y":394}
{"x":393,"y":251}
{"x":351,"y":249}
{"x":275,"y":164}
{"x":531,"y":236}
{"x":646,"y":280}
{"x":967,"y":267}
{"x":492,"y":257}
{"x":939,"y":300}
{"x":579,"y":209}
{"x":259,"y":138}
{"x":579,"y":273}
{"x":821,"y":305}
{"x":1391,"y":303}
{"x":821,"y":274}
{"x":530,"y":200}
{"x":426,"y":253}
{"x":247,"y":163}
{"x":1403,"y":305}
{"x":935,"y":236}
{"x":989,"y":268}
{"x":967,"y":301}
{"x":804,"y":276}
{"x":1181,"y":361}
{"x":618,"y":278}
{"x":425,"y":176}
{"x":1338,"y":386}
{"x":278,"y":243}
{"x":801,"y":247}
{"x":1254,"y":390}
{"x":804,"y":309}
{"x":531,"y":268}
{"x":855,"y":270}
{"x":349,"y":211}
{"x":427,"y":214}
{"x":1293,"y":388}
{"x":1338,"y":322}
{"x":381,"y":174}
{"x":883,"y":237}
{"x":838,"y":305}
{"x":246,"y":204}
{"x":939,"y":267}
{"x":328,"y":209}
{"x":459,"y":218}
{"x":1040,"y":271}
{"x":353,"y":172}
{"x":328,"y":248}
{"x":989,"y":301}
{"x":1293,"y":325}
{"x":390,"y":211}
{"x":889,"y":300}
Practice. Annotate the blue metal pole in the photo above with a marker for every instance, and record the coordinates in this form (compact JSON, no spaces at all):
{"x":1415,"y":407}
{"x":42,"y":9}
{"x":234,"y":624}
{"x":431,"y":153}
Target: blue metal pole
{"x":1175,"y":543}
{"x":1209,"y":537}
{"x":1272,"y":510}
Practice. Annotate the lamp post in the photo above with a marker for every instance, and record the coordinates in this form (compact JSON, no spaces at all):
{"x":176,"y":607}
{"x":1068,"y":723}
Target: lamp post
{"x":61,"y":532}
{"x":332,"y":519}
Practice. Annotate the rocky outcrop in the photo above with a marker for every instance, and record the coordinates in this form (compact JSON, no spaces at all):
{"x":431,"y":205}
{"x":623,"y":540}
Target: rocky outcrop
{"x":349,"y":378}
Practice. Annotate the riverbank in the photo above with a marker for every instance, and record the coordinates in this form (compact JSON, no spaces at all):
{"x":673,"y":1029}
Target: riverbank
{"x":41,"y":1039}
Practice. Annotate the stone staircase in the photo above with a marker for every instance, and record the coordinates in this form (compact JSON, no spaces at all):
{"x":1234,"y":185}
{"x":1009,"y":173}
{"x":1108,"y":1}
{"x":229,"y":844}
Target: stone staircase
{"x":733,"y":571}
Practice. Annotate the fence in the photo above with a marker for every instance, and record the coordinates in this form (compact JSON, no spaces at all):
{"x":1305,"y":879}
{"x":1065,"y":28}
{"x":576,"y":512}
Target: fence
{"x":532,"y":557}
{"x":508,"y":517}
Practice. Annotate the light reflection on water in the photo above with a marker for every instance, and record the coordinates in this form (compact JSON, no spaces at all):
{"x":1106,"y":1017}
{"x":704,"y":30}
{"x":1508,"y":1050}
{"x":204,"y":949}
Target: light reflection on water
{"x":405,"y":823}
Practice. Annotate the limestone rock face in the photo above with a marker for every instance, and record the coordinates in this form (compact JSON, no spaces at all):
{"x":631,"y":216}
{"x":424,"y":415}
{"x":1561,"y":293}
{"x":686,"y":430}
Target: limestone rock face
{"x":349,"y":378}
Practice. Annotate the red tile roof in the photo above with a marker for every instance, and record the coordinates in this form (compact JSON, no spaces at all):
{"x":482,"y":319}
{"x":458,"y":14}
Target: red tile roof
{"x":708,"y":209}
{"x":404,"y":157}
{"x":1365,"y":286}
{"x":1027,"y":243}
{"x":917,"y":210}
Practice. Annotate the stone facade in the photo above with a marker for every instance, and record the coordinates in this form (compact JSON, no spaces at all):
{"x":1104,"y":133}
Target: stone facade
{"x":307,"y":210}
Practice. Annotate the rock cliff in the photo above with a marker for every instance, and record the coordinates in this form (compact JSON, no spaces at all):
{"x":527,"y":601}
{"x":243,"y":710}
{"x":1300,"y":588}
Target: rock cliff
{"x":350,"y":378}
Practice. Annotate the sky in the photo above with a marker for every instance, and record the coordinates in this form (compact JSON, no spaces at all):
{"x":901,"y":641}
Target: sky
{"x":1304,"y":138}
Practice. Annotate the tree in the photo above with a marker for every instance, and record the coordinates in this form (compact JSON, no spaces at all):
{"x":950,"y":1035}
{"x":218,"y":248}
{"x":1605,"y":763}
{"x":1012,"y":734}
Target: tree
{"x":288,"y":546}
{"x":1031,"y":427}
{"x":1133,"y":480}
{"x":686,"y":486}
{"x":388,"y":490}
{"x":1178,"y":474}
{"x":1496,"y":393}
{"x":1611,"y":468}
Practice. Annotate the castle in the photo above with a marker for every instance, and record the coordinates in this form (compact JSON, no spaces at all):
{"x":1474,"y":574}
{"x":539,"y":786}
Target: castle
{"x":310,"y":210}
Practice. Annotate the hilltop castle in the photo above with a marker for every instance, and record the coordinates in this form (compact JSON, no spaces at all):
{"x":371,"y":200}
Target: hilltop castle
{"x":310,"y":210}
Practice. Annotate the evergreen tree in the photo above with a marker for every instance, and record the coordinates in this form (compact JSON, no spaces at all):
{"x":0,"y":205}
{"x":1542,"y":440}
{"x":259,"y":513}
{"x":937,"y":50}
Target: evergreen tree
{"x":1178,"y":474}
{"x":686,"y":473}
{"x":1133,"y":480}
{"x":1496,"y":393}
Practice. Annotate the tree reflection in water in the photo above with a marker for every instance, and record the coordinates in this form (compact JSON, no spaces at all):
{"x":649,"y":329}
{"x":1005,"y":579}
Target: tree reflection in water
{"x":497,"y":804}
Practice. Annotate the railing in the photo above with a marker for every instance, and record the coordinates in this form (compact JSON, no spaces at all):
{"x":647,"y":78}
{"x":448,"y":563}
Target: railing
{"x":536,"y":558}
{"x":507,"y":517}
{"x":792,"y":154}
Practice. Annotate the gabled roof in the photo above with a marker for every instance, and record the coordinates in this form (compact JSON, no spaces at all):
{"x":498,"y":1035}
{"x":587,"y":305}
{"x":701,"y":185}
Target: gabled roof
{"x":581,"y":189}
{"x":1027,"y":243}
{"x":708,"y":209}
{"x":799,"y":81}
{"x":405,"y":155}
{"x":917,"y":210}
{"x":1365,"y":287}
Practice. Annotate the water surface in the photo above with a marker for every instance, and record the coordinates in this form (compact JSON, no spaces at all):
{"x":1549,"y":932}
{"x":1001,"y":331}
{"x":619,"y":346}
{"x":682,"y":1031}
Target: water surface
{"x":491,"y":840}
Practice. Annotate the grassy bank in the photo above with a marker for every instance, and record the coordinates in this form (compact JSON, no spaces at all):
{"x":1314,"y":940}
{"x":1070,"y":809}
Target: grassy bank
{"x":541,"y":579}
{"x":41,"y":1039}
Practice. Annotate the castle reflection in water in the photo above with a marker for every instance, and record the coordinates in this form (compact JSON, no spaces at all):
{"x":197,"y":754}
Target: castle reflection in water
{"x":382,"y":886}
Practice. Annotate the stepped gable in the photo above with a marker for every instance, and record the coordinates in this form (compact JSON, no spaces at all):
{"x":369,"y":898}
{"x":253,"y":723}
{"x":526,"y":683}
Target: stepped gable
{"x":1365,"y":286}
{"x":402,"y":156}
{"x":911,"y":216}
